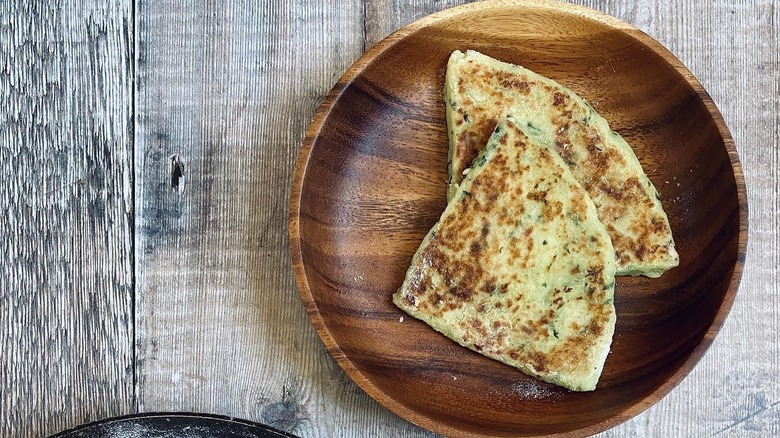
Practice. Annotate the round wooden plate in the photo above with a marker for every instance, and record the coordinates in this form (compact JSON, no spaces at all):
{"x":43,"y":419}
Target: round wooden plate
{"x":370,"y":182}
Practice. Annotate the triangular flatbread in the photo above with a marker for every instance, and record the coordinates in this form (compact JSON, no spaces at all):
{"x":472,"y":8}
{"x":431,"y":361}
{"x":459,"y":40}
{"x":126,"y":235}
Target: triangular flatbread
{"x":518,"y":267}
{"x":479,"y":90}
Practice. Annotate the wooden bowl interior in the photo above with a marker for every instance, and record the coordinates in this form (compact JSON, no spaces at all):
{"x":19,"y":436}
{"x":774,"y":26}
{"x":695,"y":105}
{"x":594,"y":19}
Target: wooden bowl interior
{"x":373,"y":186}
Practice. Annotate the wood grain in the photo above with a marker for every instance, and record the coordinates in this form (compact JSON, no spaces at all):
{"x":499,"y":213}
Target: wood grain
{"x":65,"y":214}
{"x":733,"y":391}
{"x":383,"y":17}
{"x":219,"y":322}
{"x":206,"y":285}
{"x":381,"y":132}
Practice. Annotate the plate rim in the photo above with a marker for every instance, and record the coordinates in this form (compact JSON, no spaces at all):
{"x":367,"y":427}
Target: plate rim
{"x":172,"y":415}
{"x":364,"y":61}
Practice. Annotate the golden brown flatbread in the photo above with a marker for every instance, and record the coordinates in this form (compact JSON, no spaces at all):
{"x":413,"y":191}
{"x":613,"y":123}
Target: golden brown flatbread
{"x":480,"y":90}
{"x":519,"y":268}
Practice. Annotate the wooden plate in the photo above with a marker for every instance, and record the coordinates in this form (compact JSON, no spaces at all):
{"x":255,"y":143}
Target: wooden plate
{"x":369,"y":183}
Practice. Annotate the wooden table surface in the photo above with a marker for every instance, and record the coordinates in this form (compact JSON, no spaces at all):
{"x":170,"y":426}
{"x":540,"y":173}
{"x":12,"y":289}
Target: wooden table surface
{"x":146,"y":152}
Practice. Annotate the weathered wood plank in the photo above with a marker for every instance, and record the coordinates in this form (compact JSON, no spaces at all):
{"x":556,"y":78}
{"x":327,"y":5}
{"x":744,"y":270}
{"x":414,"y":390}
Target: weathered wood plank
{"x":65,"y":214}
{"x":383,"y":17}
{"x":230,"y":88}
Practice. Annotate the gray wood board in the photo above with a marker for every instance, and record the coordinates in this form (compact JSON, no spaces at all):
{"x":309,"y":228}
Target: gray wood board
{"x":66,"y":214}
{"x":220,"y":324}
{"x":213,"y":321}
